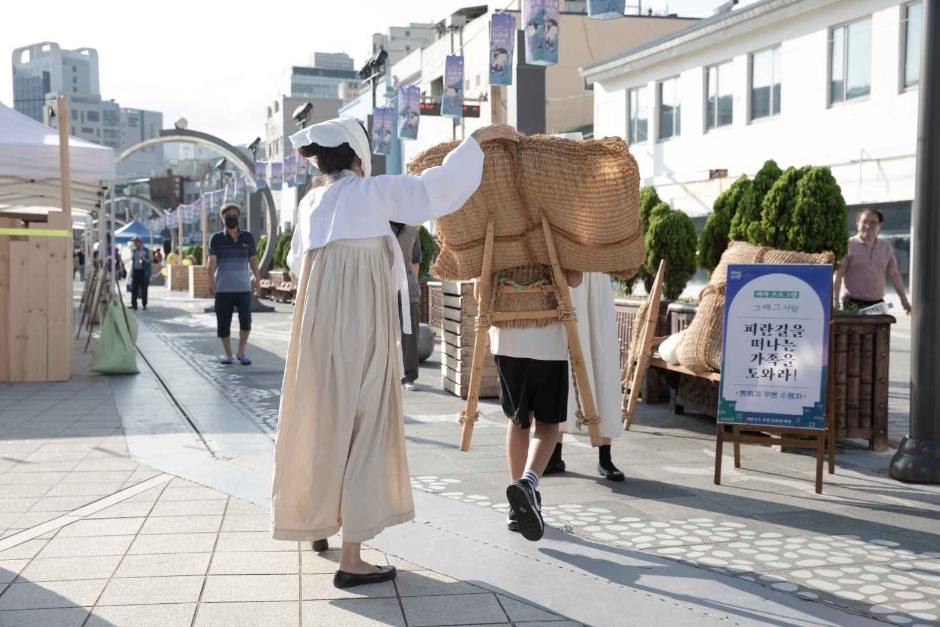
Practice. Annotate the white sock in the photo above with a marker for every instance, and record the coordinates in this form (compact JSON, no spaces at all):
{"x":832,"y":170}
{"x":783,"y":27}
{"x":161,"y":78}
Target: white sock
{"x":532,"y":478}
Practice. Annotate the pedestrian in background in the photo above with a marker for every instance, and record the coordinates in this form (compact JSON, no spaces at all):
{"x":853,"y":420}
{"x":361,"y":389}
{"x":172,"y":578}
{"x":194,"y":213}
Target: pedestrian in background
{"x":81,"y":264}
{"x":863,"y":269}
{"x":231,"y":253}
{"x":141,"y":269}
{"x":410,"y":242}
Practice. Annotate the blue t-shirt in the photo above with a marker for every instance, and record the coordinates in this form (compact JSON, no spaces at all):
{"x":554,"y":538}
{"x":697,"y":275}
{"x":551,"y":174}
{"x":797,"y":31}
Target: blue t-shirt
{"x":232,"y":273}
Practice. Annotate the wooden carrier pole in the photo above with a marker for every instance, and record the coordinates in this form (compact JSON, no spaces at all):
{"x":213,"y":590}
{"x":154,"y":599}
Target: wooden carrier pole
{"x":64,"y":371}
{"x":579,"y":371}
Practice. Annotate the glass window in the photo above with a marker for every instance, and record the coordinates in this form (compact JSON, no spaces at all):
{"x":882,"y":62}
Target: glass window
{"x":719,"y":96}
{"x":670,"y":119}
{"x":638,"y":122}
{"x":93,"y":116}
{"x":850,"y":69}
{"x":913,"y":22}
{"x":766,"y":73}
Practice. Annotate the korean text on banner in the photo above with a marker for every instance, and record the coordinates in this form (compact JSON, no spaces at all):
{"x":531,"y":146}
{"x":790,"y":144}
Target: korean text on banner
{"x":502,"y":45}
{"x":452,"y":105}
{"x":409,"y":111}
{"x":606,"y":9}
{"x":541,"y":31}
{"x":775,"y":355}
{"x":382,"y":120}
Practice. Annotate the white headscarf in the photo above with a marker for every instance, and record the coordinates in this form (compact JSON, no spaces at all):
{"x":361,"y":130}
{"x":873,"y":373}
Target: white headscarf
{"x":336,"y":132}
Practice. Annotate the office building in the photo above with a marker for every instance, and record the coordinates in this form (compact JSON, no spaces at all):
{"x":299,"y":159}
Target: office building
{"x":400,"y":41}
{"x":45,"y":68}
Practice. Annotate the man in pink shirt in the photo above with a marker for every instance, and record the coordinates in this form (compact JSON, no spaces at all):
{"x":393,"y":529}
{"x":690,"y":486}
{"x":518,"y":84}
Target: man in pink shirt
{"x":868,"y":261}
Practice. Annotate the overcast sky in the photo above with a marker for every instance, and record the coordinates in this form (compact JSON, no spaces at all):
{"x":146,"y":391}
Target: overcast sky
{"x":216,"y":64}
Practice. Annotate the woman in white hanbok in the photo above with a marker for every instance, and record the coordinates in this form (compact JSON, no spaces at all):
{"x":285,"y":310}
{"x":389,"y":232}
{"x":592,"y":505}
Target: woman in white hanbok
{"x":339,"y":460}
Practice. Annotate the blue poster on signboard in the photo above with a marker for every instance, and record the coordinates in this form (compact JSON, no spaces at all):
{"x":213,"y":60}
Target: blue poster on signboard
{"x":606,"y":9}
{"x":541,"y":31}
{"x":277,"y":175}
{"x":502,"y":45}
{"x":260,"y":175}
{"x":775,"y":350}
{"x":452,"y":105}
{"x":382,"y":120}
{"x":409,"y":111}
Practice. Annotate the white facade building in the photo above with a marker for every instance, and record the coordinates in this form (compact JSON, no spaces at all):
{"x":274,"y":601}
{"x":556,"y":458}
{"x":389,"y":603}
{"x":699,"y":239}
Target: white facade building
{"x":804,"y":82}
{"x":45,"y":68}
{"x":400,"y":41}
{"x":138,"y":125}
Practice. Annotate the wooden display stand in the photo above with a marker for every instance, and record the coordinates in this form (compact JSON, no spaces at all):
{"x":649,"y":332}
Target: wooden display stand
{"x":739,"y":434}
{"x":579,"y":371}
{"x":458,"y":314}
{"x":198,"y":282}
{"x":177,"y":278}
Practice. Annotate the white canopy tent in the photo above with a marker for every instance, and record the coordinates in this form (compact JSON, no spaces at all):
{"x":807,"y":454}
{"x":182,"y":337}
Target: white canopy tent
{"x":30,"y":174}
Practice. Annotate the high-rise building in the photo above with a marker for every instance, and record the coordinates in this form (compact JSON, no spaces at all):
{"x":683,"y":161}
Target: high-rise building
{"x":111,"y":124}
{"x":320,"y":81}
{"x":400,"y":41}
{"x":333,"y":61}
{"x":44,"y":68}
{"x":138,"y":125}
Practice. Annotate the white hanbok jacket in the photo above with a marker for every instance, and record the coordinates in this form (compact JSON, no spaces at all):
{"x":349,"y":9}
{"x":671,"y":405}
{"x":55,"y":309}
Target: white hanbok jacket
{"x":352,"y":207}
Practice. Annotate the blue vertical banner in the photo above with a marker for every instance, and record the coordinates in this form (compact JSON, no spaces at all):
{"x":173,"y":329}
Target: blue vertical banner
{"x":277,"y":175}
{"x":290,"y":170}
{"x":452,"y":106}
{"x":240,"y":190}
{"x":502,"y":45}
{"x":606,"y":9}
{"x":409,"y":111}
{"x":541,"y":31}
{"x":300,"y":177}
{"x":382,"y":120}
{"x":775,"y":347}
{"x":260,"y":175}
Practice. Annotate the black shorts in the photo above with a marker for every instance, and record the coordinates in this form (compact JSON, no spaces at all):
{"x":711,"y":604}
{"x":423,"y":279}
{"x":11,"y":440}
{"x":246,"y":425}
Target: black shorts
{"x":531,"y":385}
{"x":225,"y":305}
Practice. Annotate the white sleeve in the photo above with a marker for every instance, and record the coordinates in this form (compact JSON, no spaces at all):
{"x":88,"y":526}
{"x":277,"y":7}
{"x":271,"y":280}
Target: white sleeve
{"x":436,"y":192}
{"x":297,"y":250}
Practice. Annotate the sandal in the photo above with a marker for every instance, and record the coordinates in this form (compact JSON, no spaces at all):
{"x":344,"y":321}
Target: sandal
{"x":226,"y":361}
{"x":243,"y":360}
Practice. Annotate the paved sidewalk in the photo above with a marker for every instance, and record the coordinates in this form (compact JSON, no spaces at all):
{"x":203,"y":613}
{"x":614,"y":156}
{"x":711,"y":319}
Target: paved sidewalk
{"x":869,"y":546}
{"x":91,"y":537}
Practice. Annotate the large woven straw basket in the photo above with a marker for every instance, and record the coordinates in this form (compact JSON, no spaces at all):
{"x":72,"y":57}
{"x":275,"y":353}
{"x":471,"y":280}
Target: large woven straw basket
{"x":589,"y":191}
{"x":700,"y":350}
{"x":538,"y":300}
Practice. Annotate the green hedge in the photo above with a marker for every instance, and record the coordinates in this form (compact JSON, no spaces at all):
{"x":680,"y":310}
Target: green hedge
{"x":195,"y":251}
{"x":281,"y":250}
{"x":715,"y":236}
{"x":429,"y":251}
{"x":670,"y":238}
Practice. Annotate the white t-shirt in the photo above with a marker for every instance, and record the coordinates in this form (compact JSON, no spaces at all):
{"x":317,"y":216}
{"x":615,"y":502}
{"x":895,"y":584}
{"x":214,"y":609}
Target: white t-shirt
{"x":545,"y":344}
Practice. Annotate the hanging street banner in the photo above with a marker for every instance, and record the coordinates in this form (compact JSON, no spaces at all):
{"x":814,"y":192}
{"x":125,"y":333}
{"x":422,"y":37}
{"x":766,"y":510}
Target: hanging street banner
{"x":261,"y":174}
{"x":277,"y":175}
{"x":606,"y":9}
{"x":240,"y":189}
{"x":775,"y":350}
{"x":172,"y":220}
{"x":300,"y":178}
{"x":541,"y":31}
{"x":452,"y":105}
{"x":290,"y":170}
{"x":409,"y":111}
{"x":382,"y":120}
{"x":502,"y":45}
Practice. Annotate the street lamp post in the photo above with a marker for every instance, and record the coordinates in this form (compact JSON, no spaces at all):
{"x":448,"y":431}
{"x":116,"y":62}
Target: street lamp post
{"x":918,"y":457}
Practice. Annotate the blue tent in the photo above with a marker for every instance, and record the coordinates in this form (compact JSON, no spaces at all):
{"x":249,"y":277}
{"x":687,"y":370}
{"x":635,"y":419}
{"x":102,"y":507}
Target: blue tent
{"x":127,"y":233}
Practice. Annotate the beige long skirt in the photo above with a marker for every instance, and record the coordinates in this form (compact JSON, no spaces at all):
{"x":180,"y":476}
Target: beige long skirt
{"x":339,"y":455}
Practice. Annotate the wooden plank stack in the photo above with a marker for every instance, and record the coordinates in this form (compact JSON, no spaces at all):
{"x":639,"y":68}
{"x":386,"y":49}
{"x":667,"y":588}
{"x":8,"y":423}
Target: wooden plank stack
{"x":458,"y":321}
{"x":177,"y":279}
{"x":199,"y":282}
{"x":36,"y":303}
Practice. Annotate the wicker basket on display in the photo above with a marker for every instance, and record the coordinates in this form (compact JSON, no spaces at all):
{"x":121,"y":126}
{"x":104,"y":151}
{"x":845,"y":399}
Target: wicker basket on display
{"x":589,"y":192}
{"x":700,"y":350}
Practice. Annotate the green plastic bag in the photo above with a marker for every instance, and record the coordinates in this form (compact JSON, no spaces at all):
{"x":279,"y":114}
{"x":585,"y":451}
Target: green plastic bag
{"x":116,"y":353}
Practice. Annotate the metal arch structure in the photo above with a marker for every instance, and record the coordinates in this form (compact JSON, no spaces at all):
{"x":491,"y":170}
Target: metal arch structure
{"x":232,"y":154}
{"x":144,"y":201}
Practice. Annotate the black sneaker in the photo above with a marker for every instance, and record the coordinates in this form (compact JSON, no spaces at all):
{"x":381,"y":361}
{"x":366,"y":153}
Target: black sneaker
{"x":511,"y":522}
{"x":524,"y":502}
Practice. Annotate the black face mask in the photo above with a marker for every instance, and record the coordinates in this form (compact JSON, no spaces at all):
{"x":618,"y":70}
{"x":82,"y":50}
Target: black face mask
{"x":231,"y":222}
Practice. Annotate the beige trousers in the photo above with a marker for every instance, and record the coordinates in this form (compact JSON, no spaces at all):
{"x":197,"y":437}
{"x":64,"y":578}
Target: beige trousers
{"x":339,"y":455}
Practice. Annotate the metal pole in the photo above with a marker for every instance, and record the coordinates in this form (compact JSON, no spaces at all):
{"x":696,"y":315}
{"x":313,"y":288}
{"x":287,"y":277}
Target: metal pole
{"x":918,"y":457}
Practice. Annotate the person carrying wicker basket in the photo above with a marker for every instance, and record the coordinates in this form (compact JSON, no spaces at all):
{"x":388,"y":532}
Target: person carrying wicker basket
{"x":339,"y":458}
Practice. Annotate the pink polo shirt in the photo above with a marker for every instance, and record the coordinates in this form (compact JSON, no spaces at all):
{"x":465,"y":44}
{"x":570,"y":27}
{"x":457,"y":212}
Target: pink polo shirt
{"x":866,"y":268}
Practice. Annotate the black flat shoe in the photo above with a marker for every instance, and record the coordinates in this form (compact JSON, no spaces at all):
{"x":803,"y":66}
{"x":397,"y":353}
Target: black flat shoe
{"x":321,"y":546}
{"x":348,"y":580}
{"x":555,"y":468}
{"x":611,"y":474}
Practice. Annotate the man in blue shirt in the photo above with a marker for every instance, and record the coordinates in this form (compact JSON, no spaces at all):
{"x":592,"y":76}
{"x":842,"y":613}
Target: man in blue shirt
{"x":141,"y":266}
{"x":231,"y":252}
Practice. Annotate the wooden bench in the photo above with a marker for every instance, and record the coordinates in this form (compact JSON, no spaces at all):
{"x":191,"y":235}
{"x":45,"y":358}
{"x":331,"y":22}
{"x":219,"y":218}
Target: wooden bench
{"x":285,"y":292}
{"x":265,"y":288}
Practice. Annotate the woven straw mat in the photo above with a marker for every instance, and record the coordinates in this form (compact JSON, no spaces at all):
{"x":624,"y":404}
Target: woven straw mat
{"x":589,"y":191}
{"x":700,"y":350}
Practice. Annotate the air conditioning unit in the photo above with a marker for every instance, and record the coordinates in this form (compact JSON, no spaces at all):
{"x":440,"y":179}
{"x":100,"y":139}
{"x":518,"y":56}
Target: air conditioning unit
{"x":455,"y":21}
